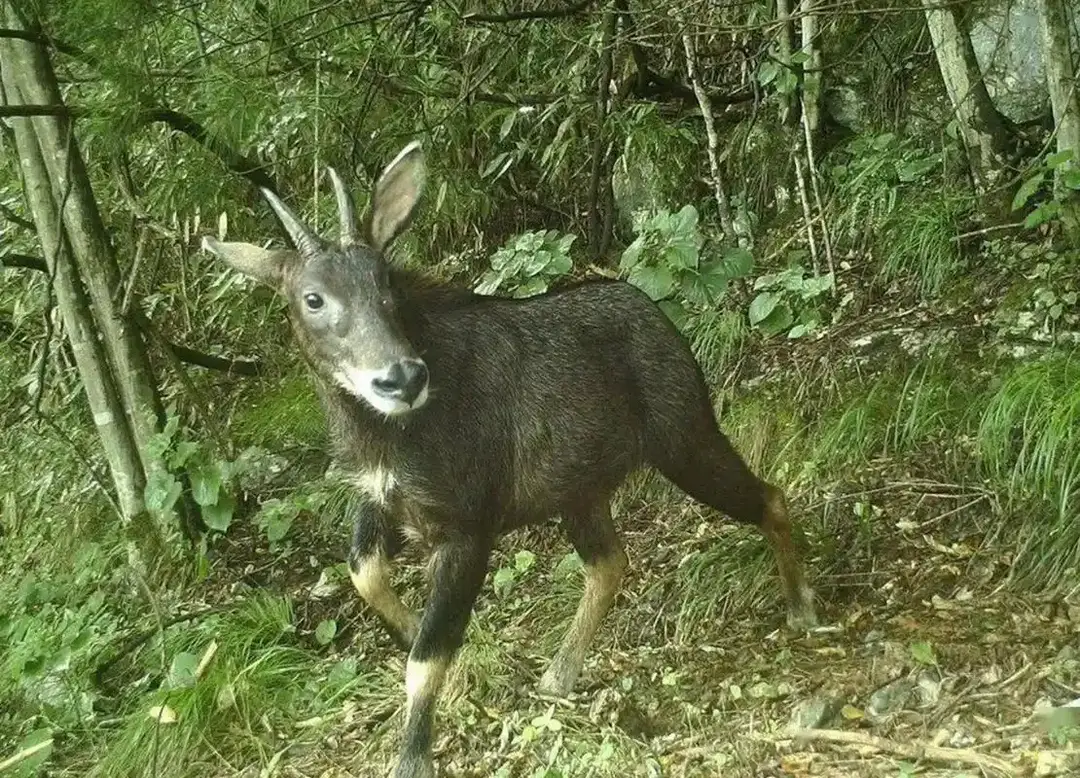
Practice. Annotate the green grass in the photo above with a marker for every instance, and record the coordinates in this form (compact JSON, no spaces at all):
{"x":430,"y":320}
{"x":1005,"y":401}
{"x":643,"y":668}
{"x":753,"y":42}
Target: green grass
{"x":917,"y":243}
{"x":717,"y":337}
{"x":1028,"y":444}
{"x":280,"y":413}
{"x":259,"y":680}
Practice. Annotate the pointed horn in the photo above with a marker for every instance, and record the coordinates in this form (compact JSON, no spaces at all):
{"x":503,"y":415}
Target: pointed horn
{"x":302,"y":236}
{"x":346,"y":210}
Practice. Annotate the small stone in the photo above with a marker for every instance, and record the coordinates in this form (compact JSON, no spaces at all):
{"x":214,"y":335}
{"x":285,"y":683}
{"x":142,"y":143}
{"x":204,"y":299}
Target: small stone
{"x":891,"y":697}
{"x":815,"y":712}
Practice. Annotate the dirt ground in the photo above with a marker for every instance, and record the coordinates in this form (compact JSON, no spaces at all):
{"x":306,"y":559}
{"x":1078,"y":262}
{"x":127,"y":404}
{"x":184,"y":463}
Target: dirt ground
{"x":927,"y":662}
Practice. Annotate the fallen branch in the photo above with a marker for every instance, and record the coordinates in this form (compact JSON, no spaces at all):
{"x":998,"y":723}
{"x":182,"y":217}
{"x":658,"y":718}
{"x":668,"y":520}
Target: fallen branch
{"x":24,"y":754}
{"x":908,"y":751}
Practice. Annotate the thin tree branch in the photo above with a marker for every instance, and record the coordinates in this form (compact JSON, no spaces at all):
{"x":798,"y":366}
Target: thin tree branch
{"x":521,"y":16}
{"x":7,"y":111}
{"x":14,"y":218}
{"x":24,"y":261}
{"x":245,"y":367}
{"x":253,"y":171}
{"x":187,"y":355}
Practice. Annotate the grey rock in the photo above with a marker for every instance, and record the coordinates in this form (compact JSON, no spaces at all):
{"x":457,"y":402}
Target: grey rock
{"x":1008,"y":48}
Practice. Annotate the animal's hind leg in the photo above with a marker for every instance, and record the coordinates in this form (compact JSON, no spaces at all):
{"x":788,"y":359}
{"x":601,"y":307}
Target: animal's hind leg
{"x":597,"y":543}
{"x":712,"y":472}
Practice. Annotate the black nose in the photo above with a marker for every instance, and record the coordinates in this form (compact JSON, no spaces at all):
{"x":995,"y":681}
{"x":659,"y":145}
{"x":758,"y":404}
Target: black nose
{"x":404,"y":380}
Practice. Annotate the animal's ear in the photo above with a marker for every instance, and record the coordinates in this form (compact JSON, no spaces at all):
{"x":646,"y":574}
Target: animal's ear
{"x":396,"y":194}
{"x":266,"y":265}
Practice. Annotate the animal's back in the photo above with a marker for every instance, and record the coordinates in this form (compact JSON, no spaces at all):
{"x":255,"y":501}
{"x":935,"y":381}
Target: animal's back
{"x":555,"y":399}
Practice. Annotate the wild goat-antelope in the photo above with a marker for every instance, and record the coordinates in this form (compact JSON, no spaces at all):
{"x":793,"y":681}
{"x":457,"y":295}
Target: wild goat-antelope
{"x":463,"y":416}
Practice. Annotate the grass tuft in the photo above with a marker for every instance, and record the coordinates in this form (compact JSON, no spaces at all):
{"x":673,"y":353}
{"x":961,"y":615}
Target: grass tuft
{"x":258,"y":680}
{"x":918,"y":243}
{"x":1029,"y":442}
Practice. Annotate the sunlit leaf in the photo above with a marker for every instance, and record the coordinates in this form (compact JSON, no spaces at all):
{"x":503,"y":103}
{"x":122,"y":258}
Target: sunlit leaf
{"x":325,"y":632}
{"x":657,"y":282}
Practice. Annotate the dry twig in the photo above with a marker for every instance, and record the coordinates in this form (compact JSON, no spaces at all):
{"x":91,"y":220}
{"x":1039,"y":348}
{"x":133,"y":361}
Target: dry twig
{"x":908,"y":750}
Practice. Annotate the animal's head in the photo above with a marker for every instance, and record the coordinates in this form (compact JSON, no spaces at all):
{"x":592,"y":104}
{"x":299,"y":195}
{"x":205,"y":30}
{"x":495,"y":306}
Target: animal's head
{"x":341,"y":303}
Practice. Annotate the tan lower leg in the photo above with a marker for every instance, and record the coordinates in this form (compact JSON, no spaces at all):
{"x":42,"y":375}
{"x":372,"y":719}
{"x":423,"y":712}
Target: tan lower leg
{"x":371,"y":577}
{"x":776,"y":528}
{"x":602,"y":580}
{"x":423,"y":681}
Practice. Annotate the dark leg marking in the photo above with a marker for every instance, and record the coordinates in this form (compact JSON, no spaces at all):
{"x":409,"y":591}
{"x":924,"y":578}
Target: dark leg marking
{"x":458,"y":570}
{"x":374,"y":545}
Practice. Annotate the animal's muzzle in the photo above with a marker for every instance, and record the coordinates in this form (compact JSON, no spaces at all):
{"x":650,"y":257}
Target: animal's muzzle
{"x":403,"y":380}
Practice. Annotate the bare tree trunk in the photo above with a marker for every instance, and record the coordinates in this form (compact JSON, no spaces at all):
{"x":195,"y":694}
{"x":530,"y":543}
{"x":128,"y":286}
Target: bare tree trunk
{"x":1062,"y":83}
{"x":784,"y":47}
{"x":980,"y":126}
{"x":33,"y":75}
{"x":120,"y":451}
{"x":597,"y":240}
{"x":723,"y":206}
{"x":811,"y":102}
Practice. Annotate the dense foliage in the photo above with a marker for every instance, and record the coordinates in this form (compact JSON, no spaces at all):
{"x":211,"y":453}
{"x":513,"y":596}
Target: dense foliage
{"x":881,"y":285}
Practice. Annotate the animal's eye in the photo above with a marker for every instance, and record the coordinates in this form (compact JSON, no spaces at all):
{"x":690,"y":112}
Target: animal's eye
{"x":313,"y":301}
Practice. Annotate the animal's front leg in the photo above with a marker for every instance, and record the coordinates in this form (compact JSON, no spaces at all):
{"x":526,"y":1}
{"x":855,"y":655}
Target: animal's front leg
{"x":458,"y":570}
{"x":373,"y":547}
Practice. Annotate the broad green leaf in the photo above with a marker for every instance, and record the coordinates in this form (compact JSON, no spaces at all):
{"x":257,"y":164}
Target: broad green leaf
{"x":632,"y":255}
{"x":815,"y":285}
{"x":686,"y":221}
{"x":1024,"y":193}
{"x":735,"y":262}
{"x":762,"y":307}
{"x":923,"y":652}
{"x":502,"y":580}
{"x":219,"y":515}
{"x":561,"y":264}
{"x":489,"y":283}
{"x":524,"y":560}
{"x":768,"y":72}
{"x":694,"y":288}
{"x":35,"y":748}
{"x":1043,"y":214}
{"x":532,"y":286}
{"x":657,"y":282}
{"x":787,"y":82}
{"x":1071,"y":178}
{"x":183,"y":452}
{"x":182,"y":670}
{"x":778,"y":320}
{"x":161,"y":493}
{"x":676,"y":312}
{"x":205,"y":483}
{"x":276,"y":518}
{"x":325,"y":632}
{"x":537,"y":263}
{"x":1059,"y":158}
{"x":681,"y":254}
{"x":570,"y":561}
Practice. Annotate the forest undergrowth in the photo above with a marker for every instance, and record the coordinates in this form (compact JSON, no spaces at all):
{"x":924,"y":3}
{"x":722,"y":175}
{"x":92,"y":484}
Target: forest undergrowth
{"x":934,"y":475}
